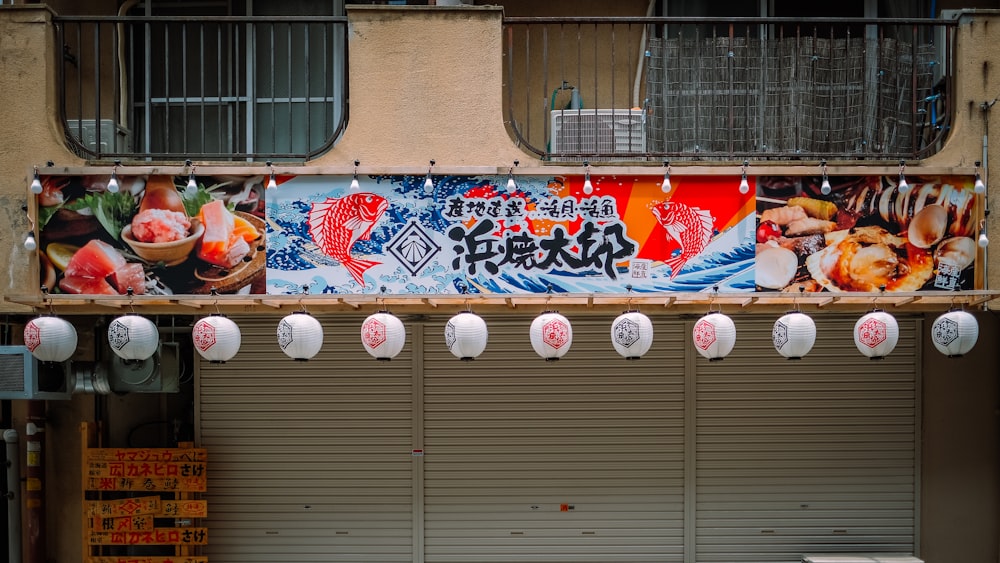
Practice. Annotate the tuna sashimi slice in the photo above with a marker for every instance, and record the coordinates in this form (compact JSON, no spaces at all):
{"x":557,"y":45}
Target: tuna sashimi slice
{"x":130,"y":275}
{"x":86,"y":286}
{"x":219,"y":223}
{"x":97,"y":259}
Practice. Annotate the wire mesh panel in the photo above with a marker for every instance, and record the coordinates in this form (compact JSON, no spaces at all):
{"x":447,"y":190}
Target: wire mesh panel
{"x":847,"y":96}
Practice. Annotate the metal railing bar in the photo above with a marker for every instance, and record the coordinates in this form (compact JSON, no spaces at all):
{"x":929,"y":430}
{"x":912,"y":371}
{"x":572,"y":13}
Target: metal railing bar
{"x":305,"y":57}
{"x":97,"y":79}
{"x":184,"y":81}
{"x":214,"y":19}
{"x":755,"y":20}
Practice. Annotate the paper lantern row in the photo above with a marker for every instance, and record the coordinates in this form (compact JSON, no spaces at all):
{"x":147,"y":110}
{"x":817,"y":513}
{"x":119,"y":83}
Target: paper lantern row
{"x":300,"y":336}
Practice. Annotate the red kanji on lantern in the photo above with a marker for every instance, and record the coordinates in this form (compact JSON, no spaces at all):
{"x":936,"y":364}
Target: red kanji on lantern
{"x":704,"y":334}
{"x":373,"y":332}
{"x":872,"y":332}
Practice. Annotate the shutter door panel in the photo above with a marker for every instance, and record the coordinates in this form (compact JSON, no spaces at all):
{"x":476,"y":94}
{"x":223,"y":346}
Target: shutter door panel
{"x":308,"y":461}
{"x":811,"y":455}
{"x":511,"y":438}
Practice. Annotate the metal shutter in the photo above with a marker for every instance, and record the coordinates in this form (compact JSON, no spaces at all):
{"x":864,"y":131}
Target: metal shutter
{"x":308,"y":461}
{"x":806,"y":456}
{"x":576,"y":460}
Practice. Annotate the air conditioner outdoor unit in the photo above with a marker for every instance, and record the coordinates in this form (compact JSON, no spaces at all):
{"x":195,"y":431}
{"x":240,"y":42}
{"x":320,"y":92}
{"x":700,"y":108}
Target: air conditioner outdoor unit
{"x":22,"y":376}
{"x":598,"y":132}
{"x":114,"y":137}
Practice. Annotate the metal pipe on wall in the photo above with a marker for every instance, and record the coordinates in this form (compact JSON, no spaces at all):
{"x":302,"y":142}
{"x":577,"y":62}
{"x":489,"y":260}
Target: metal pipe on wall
{"x":35,"y":486}
{"x":13,"y":496}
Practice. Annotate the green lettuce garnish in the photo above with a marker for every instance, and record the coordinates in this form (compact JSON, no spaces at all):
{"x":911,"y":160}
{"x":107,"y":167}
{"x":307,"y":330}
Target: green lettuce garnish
{"x":112,"y":210}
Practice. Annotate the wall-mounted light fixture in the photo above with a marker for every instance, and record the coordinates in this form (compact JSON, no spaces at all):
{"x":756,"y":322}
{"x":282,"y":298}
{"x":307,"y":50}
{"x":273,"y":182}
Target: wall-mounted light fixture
{"x":588,"y":187}
{"x":36,"y":183}
{"x":903,"y":186}
{"x":979,"y":186}
{"x":192,"y":185}
{"x":271,"y":182}
{"x":113,"y":185}
{"x":30,"y":244}
{"x":355,"y":184}
{"x":824,"y":188}
{"x":744,"y":185}
{"x":429,"y":180}
{"x":511,"y":183}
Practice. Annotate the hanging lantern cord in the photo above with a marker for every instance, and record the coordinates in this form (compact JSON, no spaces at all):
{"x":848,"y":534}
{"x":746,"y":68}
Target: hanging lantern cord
{"x":381,"y":298}
{"x":302,"y":305}
{"x":47,"y":298}
{"x":628,"y":299}
{"x":711,"y":299}
{"x":464,"y":288}
{"x":215,"y":293}
{"x":131,"y":299}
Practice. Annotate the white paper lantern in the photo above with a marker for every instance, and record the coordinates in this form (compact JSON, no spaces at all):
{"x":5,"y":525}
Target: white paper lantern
{"x":300,"y":336}
{"x":466,"y":335}
{"x":714,"y":336}
{"x":551,"y":335}
{"x":133,"y":337}
{"x":876,"y":334}
{"x":216,"y":338}
{"x":50,"y":339}
{"x":632,"y":334}
{"x":794,"y":335}
{"x":955,"y":333}
{"x":383,"y":335}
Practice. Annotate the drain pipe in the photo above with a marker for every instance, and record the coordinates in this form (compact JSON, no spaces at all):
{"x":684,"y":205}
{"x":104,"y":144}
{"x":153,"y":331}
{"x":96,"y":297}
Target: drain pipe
{"x":13,"y":497}
{"x":34,"y":487}
{"x":637,"y":84}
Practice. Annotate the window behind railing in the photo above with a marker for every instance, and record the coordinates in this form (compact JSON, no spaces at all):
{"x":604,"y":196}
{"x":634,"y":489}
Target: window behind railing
{"x":218,"y":87}
{"x":698,"y":88}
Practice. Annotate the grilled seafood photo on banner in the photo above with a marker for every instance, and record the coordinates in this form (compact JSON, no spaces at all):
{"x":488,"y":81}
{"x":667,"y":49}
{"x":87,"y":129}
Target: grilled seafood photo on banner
{"x":866,"y":235}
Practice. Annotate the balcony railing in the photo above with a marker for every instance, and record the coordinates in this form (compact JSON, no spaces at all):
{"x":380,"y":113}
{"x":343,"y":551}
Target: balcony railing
{"x":221,"y":88}
{"x":696,"y":88}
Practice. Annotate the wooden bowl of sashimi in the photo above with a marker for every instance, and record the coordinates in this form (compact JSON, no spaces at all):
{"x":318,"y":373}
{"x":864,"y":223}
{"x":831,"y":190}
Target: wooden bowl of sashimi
{"x":169,"y":253}
{"x":250,"y":269}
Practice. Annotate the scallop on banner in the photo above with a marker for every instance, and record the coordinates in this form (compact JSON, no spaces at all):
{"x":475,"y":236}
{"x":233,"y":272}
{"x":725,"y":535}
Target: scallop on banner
{"x":793,"y":335}
{"x":632,"y":335}
{"x":383,"y":335}
{"x":714,"y":336}
{"x":876,"y":334}
{"x":551,"y":335}
{"x":955,"y":333}
{"x":466,"y":335}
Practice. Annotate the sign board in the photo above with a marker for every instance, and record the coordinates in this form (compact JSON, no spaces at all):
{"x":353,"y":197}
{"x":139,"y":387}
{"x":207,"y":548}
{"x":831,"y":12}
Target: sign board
{"x":167,"y":480}
{"x":155,"y":536}
{"x":571,"y":233}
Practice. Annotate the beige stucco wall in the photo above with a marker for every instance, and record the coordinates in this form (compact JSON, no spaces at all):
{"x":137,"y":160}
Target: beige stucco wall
{"x":438,"y":95}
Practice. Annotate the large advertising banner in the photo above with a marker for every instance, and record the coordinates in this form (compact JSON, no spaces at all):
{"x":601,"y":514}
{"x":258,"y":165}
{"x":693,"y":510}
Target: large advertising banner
{"x":866,"y":233}
{"x":151,"y":235}
{"x":478,"y":234}
{"x":483,"y":234}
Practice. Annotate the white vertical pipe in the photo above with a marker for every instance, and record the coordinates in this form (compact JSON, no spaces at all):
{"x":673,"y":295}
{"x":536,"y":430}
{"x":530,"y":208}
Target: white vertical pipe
{"x":13,"y":496}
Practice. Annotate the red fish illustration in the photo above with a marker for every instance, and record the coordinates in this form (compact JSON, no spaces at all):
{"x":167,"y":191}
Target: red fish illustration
{"x":337,"y":223}
{"x":691,"y":227}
